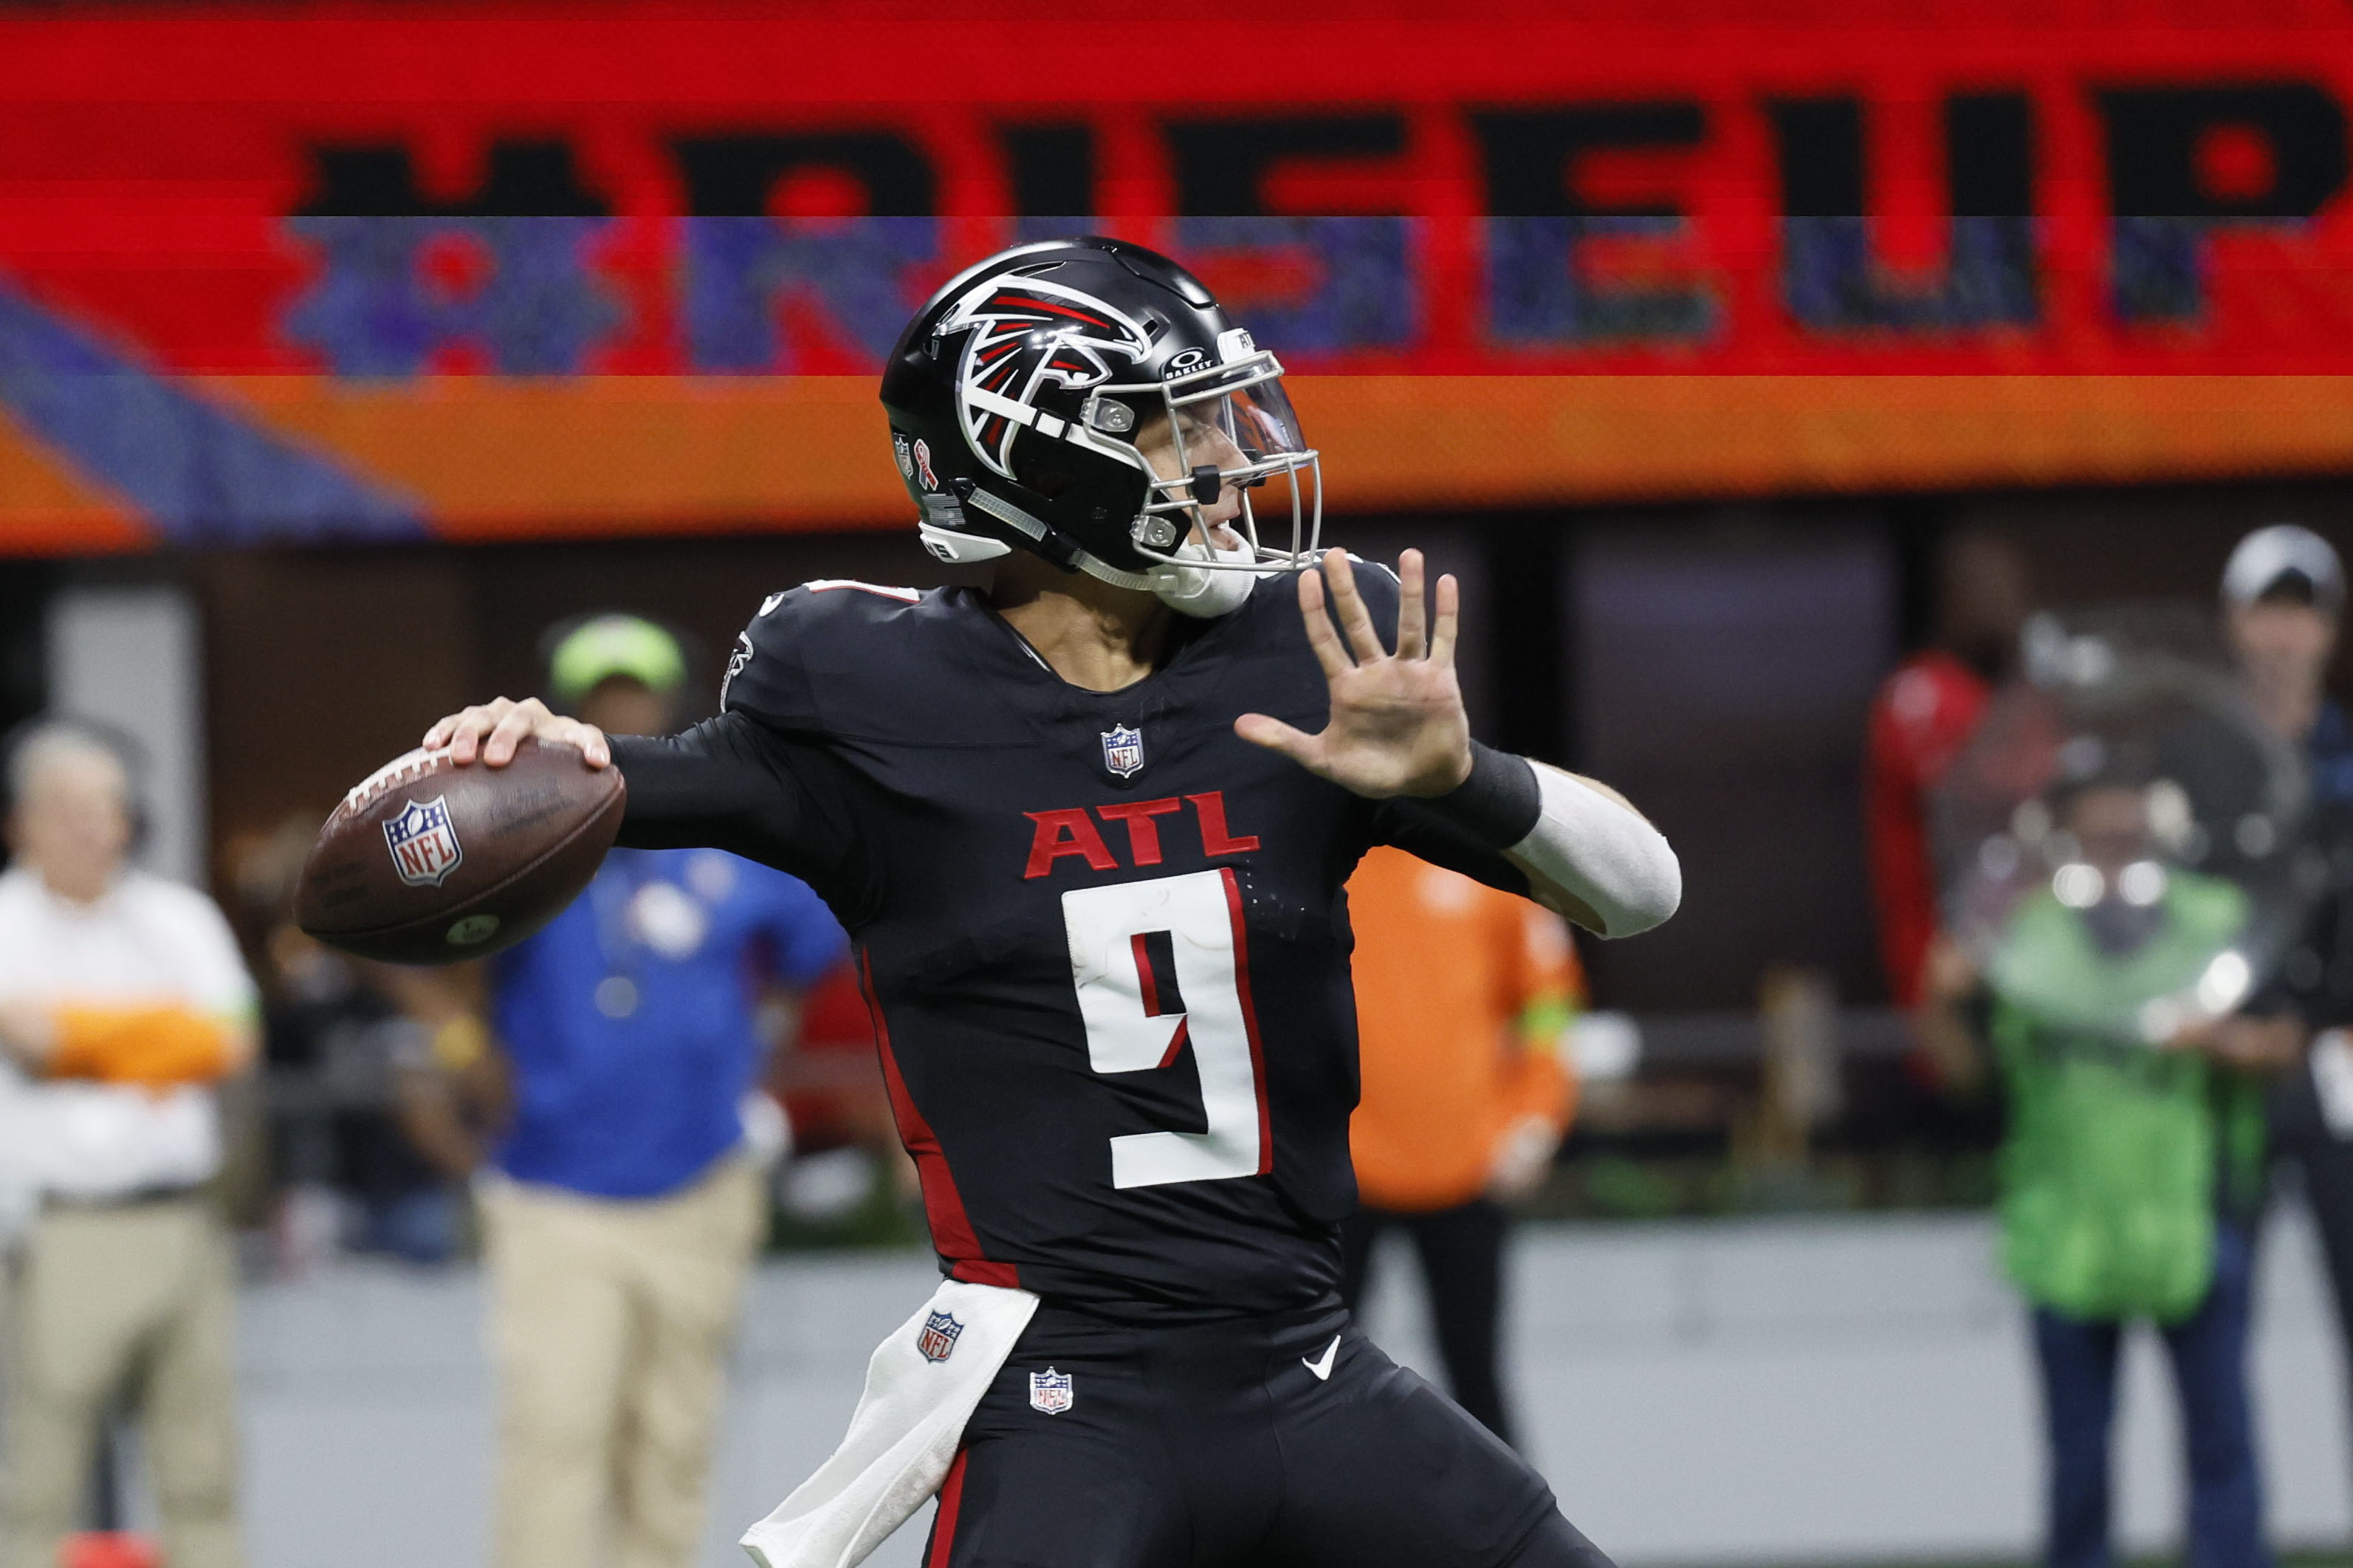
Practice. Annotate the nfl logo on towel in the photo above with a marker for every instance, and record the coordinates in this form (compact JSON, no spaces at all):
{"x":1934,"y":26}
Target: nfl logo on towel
{"x":938,"y":1341}
{"x":1124,"y":750}
{"x":425,"y":848}
{"x":1050,"y":1391}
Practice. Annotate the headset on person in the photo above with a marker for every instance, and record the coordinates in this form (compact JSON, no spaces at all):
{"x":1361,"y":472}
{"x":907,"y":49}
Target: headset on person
{"x":119,"y":742}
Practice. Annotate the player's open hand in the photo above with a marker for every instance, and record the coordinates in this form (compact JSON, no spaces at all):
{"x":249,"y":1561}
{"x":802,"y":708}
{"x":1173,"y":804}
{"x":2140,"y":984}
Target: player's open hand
{"x":492,"y":731}
{"x":1397,"y":725}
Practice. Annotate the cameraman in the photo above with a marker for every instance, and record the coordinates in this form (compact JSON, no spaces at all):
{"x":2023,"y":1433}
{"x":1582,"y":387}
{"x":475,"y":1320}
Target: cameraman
{"x":2283,"y":591}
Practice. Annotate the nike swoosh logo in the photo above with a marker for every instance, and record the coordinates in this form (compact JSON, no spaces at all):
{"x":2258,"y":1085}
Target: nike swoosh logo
{"x":1322,"y":1366}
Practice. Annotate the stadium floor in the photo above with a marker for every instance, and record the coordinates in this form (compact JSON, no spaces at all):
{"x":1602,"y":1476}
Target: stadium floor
{"x":1850,"y":1390}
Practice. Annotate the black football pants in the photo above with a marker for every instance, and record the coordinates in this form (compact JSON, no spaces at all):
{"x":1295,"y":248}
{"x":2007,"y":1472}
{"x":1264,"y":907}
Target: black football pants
{"x":1462,"y":1252}
{"x":1257,"y":1443}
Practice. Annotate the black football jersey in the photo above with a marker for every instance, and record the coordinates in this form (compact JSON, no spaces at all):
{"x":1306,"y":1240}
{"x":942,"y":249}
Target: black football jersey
{"x":1103,"y":938}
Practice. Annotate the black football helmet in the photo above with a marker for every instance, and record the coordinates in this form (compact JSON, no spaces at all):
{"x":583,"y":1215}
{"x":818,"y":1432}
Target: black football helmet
{"x":1086,"y":399}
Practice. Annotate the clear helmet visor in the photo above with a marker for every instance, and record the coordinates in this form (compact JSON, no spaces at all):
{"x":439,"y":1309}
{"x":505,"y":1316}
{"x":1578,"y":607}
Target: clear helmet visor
{"x":1235,"y":485}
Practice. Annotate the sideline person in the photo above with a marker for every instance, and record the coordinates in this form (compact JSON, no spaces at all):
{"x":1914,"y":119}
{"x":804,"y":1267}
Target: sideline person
{"x":1922,"y":718}
{"x":1464,"y":995}
{"x":621,"y":1206}
{"x":2283,"y":594}
{"x":2131,"y":1172}
{"x":123,"y":1000}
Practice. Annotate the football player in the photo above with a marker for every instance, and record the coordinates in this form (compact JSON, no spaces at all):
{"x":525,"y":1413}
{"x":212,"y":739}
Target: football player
{"x":1089,"y":827}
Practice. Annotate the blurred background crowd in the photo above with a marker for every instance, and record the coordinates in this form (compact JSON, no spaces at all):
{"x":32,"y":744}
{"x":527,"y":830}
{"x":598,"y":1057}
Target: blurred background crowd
{"x":1914,"y":475}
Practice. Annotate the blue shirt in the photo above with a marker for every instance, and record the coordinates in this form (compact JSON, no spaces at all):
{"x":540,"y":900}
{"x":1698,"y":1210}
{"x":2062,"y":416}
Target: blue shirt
{"x":630,"y":1023}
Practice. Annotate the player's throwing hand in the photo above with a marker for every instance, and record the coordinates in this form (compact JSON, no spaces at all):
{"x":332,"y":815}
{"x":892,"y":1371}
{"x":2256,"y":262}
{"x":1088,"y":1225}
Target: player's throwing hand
{"x":1397,"y":725}
{"x":493,"y":730}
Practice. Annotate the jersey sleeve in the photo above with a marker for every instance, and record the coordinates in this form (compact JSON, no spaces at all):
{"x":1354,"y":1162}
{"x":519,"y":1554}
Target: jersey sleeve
{"x":1412,"y":827}
{"x":821,"y":632}
{"x":762,"y":780}
{"x":768,"y":673}
{"x":732,"y":783}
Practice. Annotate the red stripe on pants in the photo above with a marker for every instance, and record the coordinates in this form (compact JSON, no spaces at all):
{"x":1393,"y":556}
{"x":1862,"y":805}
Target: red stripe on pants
{"x":944,"y":1524}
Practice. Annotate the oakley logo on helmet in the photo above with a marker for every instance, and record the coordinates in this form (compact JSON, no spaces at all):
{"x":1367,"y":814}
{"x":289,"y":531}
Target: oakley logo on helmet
{"x":1030,"y":334}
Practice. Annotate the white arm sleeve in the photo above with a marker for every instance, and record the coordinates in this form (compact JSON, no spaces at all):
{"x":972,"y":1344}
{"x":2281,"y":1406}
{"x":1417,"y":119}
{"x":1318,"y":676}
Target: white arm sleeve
{"x":1600,"y":855}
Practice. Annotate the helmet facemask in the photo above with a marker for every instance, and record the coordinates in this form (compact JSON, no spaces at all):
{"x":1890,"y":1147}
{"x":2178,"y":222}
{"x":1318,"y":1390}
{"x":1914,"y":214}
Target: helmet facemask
{"x":1104,"y":415}
{"x":1223,"y":426}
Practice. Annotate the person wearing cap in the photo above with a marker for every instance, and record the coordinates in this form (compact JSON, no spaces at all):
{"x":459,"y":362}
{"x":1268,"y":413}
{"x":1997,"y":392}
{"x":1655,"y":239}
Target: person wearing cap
{"x":620,"y":1194}
{"x":2283,"y":592}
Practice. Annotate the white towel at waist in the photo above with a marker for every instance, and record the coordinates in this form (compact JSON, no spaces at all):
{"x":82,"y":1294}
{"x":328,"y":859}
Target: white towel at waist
{"x":904,"y":1434}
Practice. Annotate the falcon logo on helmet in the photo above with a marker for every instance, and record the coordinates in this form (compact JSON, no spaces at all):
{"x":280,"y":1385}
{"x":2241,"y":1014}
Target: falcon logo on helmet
{"x":1086,"y":400}
{"x":1032,"y":333}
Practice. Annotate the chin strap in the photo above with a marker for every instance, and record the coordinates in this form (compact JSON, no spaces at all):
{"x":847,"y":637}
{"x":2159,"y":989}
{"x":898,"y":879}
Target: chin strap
{"x":1055,"y":545}
{"x":1103,"y":571}
{"x":1192,"y":591}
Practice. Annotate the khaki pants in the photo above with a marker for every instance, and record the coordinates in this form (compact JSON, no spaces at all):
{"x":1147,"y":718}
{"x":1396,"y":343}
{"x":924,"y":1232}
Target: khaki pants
{"x":139,"y":1301}
{"x":610,"y":1323}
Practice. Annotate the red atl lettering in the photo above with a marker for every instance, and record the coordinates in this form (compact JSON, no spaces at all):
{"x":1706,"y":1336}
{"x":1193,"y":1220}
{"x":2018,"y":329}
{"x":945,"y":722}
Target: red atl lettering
{"x":1214,"y":840}
{"x":1142,"y":832}
{"x":1062,"y":832}
{"x":1072,"y":832}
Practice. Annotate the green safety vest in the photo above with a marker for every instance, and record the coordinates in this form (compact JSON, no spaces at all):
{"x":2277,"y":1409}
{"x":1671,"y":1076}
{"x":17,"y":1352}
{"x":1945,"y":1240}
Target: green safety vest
{"x":2110,"y":1169}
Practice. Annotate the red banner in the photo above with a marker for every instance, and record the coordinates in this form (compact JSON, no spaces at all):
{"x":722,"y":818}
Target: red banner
{"x":370,"y":271}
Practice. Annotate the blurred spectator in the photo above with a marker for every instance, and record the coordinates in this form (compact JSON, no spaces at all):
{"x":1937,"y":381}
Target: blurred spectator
{"x":339,"y":1045}
{"x":1463,"y":994}
{"x":123,"y":1001}
{"x":847,"y":1156}
{"x":2131,"y":1174}
{"x":1924,"y":715}
{"x":622,"y":1207}
{"x":2283,"y":591}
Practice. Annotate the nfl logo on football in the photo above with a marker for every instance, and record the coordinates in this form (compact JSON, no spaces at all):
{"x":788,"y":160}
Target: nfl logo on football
{"x":1050,"y":1391}
{"x":425,"y":848}
{"x":938,"y":1338}
{"x":1124,"y":750}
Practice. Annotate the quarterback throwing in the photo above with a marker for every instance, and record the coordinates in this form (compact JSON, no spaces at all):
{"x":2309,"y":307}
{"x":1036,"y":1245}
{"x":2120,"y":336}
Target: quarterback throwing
{"x":1089,"y":829}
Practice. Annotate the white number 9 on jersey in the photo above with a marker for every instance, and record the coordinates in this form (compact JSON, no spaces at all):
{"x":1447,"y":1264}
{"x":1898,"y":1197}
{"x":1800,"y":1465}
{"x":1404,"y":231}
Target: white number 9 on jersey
{"x":1157,"y":963}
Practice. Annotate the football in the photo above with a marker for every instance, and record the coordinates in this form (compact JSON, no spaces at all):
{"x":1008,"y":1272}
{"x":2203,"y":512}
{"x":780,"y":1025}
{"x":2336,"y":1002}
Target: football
{"x":429,"y":862}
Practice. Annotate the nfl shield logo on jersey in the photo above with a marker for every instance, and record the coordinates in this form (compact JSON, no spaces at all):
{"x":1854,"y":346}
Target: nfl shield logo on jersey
{"x":937,"y":1340}
{"x":1050,"y":1391}
{"x":425,"y":848}
{"x":1123,"y":749}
